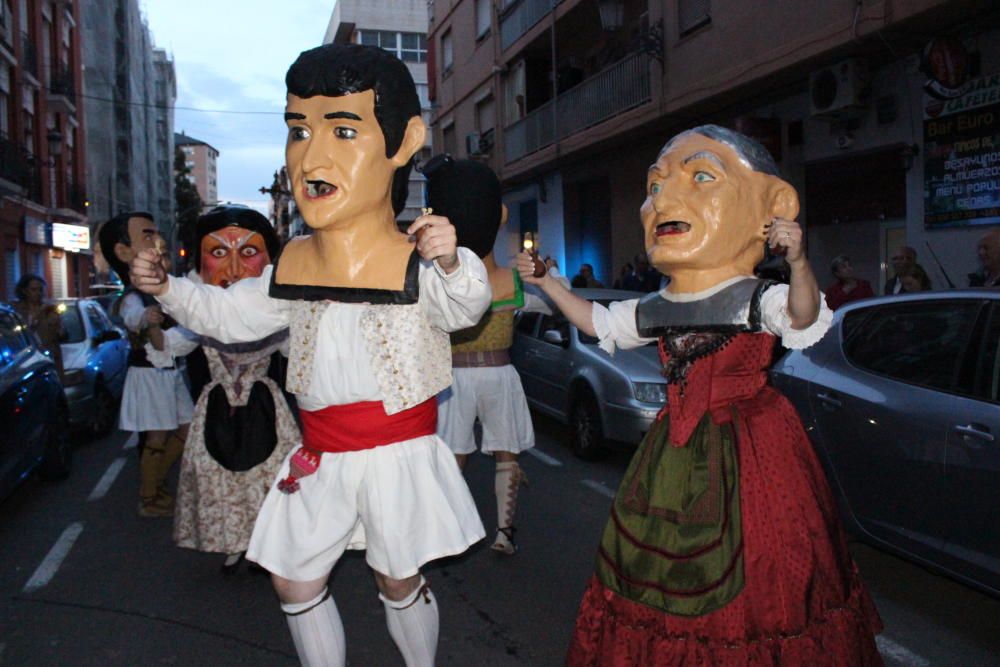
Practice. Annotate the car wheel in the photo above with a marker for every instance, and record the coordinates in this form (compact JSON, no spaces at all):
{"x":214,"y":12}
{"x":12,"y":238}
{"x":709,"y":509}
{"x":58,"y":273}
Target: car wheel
{"x":586,"y":437}
{"x":57,"y":459}
{"x":105,"y":411}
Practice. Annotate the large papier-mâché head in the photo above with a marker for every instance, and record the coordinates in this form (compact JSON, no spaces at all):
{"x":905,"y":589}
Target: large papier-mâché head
{"x":710,"y":196}
{"x":354,"y":123}
{"x":234,"y":242}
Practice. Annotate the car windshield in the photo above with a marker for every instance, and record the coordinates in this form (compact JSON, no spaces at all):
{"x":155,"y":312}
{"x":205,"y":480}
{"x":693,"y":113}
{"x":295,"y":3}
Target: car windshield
{"x":72,"y":325}
{"x":591,"y":340}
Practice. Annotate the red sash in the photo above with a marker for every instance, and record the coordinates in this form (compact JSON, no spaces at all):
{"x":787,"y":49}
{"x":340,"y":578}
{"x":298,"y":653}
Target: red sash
{"x":351,"y":428}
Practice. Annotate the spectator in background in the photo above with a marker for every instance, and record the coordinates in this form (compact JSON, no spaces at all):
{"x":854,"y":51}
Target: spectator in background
{"x":846,"y":288}
{"x":912,"y":279}
{"x":988,"y":251}
{"x":649,"y":278}
{"x":904,"y":259}
{"x":41,"y":318}
{"x":586,"y":277}
{"x":626,"y":278}
{"x":553,"y":266}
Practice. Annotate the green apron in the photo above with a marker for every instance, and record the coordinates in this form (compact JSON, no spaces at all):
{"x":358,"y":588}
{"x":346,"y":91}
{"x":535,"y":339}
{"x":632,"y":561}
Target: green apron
{"x":674,"y":540}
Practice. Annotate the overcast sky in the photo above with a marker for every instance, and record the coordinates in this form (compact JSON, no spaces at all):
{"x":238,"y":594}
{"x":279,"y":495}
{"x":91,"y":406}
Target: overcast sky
{"x":232,"y":55}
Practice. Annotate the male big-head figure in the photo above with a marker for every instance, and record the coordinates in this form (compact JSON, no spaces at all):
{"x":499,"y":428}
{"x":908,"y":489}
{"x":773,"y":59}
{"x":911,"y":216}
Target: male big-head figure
{"x":354,"y":125}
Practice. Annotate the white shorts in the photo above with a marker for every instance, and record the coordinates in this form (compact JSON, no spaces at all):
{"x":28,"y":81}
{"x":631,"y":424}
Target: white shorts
{"x":406,"y":503}
{"x":154,"y":399}
{"x":494,"y":394}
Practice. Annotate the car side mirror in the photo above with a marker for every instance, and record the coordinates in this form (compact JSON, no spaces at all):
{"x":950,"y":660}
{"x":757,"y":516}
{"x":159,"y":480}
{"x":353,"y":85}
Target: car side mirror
{"x":555,"y":337}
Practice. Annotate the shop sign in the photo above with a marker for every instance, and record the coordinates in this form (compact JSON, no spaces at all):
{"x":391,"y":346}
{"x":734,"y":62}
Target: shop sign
{"x":75,"y":238}
{"x":962,"y":156}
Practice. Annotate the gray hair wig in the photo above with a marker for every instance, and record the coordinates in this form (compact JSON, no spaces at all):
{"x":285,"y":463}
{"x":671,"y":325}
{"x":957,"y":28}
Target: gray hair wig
{"x":751,"y":152}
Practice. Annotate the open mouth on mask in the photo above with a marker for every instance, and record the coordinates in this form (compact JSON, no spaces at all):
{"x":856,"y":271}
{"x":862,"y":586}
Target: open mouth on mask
{"x":317,"y":189}
{"x":672,"y":227}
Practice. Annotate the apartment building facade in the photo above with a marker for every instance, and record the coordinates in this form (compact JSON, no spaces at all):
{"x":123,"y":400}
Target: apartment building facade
{"x":203,"y":161}
{"x":130,"y":94}
{"x":570,"y":101}
{"x":44,"y":228}
{"x":399,"y":26}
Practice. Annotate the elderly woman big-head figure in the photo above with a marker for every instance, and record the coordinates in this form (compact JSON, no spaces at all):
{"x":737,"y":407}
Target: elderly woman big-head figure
{"x":723,"y":544}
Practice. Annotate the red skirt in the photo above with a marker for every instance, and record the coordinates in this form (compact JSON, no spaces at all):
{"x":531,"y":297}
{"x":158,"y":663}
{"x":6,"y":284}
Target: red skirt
{"x":803,"y":602}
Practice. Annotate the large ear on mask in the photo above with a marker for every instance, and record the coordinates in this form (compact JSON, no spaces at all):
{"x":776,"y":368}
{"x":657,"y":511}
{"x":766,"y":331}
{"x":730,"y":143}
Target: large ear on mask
{"x":784,"y":200}
{"x":124,"y":253}
{"x":413,"y":141}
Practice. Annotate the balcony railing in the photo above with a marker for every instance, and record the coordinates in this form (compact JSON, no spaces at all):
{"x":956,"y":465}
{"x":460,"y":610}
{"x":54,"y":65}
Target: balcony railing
{"x":15,"y":164}
{"x":520,"y":18}
{"x":29,"y":55}
{"x":63,"y":84}
{"x":611,"y":91}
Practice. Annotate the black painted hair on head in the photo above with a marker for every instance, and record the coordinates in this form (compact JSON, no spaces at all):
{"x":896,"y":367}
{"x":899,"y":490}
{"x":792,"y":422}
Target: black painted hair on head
{"x":468,"y":194}
{"x":229,"y":215}
{"x":334,"y":70}
{"x":115,"y":231}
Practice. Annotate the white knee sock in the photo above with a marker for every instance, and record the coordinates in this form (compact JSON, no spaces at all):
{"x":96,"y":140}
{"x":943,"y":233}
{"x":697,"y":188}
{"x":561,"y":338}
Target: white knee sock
{"x":413,"y":625}
{"x":317,"y":631}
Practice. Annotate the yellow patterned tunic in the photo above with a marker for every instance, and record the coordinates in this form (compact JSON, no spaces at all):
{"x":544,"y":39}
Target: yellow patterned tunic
{"x":495,"y":331}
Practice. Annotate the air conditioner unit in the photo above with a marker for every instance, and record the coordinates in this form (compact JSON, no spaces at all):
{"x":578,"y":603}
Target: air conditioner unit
{"x":839,"y":88}
{"x":472,"y":141}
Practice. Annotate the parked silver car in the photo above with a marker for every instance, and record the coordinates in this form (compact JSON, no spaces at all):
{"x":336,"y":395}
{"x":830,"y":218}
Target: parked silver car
{"x":566,"y":375}
{"x":902,"y":401}
{"x":95,"y":362}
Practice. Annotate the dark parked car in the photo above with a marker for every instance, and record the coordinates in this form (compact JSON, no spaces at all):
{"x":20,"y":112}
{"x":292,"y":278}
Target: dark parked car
{"x":32,"y":408}
{"x":902,"y":401}
{"x":566,"y":375}
{"x":95,"y":362}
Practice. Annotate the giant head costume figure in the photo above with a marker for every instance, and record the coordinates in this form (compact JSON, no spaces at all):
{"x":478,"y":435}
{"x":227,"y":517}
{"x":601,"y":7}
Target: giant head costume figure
{"x":468,"y":193}
{"x":354,"y":124}
{"x":123,"y":236}
{"x":235,"y":242}
{"x":711,"y":196}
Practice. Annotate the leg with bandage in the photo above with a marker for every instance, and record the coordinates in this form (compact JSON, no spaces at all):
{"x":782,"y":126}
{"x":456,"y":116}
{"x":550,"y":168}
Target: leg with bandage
{"x":509,"y":477}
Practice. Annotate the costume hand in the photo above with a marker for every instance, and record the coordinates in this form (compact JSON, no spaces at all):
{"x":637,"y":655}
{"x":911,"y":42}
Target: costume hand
{"x":785,"y":237}
{"x":154,"y":316}
{"x":147,"y":272}
{"x":526,"y":267}
{"x":436,"y":240}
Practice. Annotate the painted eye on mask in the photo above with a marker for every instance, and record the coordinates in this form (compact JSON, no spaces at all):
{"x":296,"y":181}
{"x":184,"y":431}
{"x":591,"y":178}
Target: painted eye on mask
{"x":219,"y":253}
{"x":703,"y":177}
{"x":249,"y":251}
{"x":345,"y":133}
{"x":298,"y":133}
{"x":655,"y":189}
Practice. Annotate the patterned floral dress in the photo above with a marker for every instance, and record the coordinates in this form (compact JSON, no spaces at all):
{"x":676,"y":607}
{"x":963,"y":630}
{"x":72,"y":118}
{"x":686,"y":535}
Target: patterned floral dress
{"x":217,"y":505}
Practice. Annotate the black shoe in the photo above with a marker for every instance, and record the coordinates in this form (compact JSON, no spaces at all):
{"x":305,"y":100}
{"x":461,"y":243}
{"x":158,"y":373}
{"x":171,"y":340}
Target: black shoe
{"x":230,"y":567}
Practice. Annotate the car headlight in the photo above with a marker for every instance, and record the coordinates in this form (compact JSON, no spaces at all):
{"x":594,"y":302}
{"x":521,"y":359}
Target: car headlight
{"x":73,"y":378}
{"x":650,"y":392}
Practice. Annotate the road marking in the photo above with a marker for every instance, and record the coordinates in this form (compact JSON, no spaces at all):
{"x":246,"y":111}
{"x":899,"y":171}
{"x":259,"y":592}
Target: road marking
{"x":132,"y":441}
{"x":599,"y":487}
{"x":110,"y":475}
{"x":899,"y":654}
{"x":545,"y":458}
{"x":50,"y":564}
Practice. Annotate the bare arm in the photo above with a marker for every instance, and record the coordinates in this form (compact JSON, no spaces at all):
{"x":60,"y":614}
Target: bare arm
{"x":578,"y":311}
{"x":803,"y":290}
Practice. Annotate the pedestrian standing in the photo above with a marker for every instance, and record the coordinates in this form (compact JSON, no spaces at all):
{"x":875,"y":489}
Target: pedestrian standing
{"x":42,"y":318}
{"x":846,"y":286}
{"x":988,"y":253}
